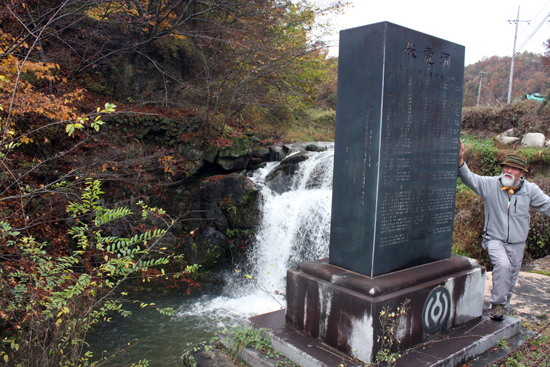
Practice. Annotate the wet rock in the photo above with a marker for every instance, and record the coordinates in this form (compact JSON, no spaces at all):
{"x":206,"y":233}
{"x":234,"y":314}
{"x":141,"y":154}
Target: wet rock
{"x":261,"y":153}
{"x":256,"y":163}
{"x":307,"y":147}
{"x":207,"y":248}
{"x":224,"y":206}
{"x":219,"y":195}
{"x":280,"y":180}
{"x":203,"y":357}
{"x":315,"y":148}
{"x":167,"y":242}
{"x":278,"y":152}
{"x":296,"y":148}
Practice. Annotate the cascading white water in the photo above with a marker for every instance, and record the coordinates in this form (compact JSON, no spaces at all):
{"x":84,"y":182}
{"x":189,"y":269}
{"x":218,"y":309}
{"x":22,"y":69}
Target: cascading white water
{"x":294,"y":227}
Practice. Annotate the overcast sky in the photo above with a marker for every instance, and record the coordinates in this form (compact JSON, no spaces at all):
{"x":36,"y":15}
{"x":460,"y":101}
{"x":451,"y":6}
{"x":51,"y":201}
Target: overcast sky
{"x":479,"y":25}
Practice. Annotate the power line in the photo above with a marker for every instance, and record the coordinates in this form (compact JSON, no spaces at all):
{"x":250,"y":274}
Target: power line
{"x":533,"y":33}
{"x":504,"y":63}
{"x":513,"y":56}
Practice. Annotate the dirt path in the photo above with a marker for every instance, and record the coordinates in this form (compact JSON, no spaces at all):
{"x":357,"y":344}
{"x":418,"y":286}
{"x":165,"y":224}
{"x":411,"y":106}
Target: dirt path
{"x":531,"y":299}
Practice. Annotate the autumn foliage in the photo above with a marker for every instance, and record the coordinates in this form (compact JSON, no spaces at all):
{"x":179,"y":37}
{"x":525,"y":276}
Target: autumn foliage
{"x":66,"y":68}
{"x":530,"y":76}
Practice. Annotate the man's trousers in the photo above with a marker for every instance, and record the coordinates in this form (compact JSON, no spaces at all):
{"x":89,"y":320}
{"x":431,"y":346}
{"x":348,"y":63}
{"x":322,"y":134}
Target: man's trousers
{"x":506,"y":259}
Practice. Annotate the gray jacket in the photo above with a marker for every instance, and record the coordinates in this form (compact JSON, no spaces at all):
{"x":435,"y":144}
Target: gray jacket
{"x":506,"y":217}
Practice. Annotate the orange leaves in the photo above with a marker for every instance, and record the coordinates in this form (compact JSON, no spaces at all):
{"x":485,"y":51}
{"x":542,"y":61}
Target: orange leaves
{"x":112,"y":11}
{"x":26,"y":88}
{"x":25,"y":139}
{"x":168,"y":162}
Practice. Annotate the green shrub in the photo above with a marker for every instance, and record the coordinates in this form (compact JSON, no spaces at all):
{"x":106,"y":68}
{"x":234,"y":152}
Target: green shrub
{"x":482,"y":156}
{"x":538,"y":241}
{"x":468,"y":225}
{"x":49,"y":301}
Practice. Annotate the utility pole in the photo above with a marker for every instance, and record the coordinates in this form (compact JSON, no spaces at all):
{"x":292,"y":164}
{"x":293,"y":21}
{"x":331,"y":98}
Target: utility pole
{"x":513,"y":56}
{"x":479,"y":90}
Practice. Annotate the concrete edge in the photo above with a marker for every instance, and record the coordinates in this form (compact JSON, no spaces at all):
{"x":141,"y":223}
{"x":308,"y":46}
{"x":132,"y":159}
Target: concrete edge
{"x":295,"y":354}
{"x":250,"y":356}
{"x":510,"y":327}
{"x":494,"y":354}
{"x":308,"y":351}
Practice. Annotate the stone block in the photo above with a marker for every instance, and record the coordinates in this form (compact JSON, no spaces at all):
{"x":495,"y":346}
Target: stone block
{"x":396,"y":148}
{"x":342,"y":308}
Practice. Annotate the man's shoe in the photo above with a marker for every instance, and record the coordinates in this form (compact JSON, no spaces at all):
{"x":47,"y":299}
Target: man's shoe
{"x":497,"y":312}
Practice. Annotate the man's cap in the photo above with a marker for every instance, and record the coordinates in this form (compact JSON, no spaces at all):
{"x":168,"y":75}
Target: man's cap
{"x":516,"y":161}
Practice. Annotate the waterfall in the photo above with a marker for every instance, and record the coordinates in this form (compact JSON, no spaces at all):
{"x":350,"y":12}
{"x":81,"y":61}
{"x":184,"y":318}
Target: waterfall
{"x":294,"y":227}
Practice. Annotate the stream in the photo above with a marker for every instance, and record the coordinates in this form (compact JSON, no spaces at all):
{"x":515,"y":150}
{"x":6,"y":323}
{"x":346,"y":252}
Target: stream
{"x":294,"y":227}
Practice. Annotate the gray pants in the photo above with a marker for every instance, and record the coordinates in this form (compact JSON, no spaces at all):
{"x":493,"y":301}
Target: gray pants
{"x":506,"y":259}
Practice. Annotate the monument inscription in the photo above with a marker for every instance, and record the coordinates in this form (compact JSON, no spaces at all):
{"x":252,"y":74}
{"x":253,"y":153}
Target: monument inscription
{"x":397,"y":137}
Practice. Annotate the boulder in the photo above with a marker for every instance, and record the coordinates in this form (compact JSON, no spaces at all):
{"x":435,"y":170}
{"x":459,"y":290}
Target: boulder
{"x":236,"y":156}
{"x":210,"y":154}
{"x":167,"y":242}
{"x":296,"y":148}
{"x":533,"y":140}
{"x":219,"y":197}
{"x":316,"y":147}
{"x":233,"y":164}
{"x":280,"y":179}
{"x":214,"y":237}
{"x":207,"y":248}
{"x":255,"y":163}
{"x":508,"y":140}
{"x":214,"y":356}
{"x":194,"y":159}
{"x":278,"y":152}
{"x":508,"y":133}
{"x":308,"y":147}
{"x":261,"y":153}
{"x":223,"y":205}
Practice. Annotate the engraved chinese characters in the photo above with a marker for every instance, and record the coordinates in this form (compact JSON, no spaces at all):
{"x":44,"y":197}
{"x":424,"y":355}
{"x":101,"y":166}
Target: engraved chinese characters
{"x":397,"y":138}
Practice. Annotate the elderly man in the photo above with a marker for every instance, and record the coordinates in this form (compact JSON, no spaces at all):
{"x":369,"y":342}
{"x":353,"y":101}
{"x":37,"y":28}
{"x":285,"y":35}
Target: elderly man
{"x":507,"y":199}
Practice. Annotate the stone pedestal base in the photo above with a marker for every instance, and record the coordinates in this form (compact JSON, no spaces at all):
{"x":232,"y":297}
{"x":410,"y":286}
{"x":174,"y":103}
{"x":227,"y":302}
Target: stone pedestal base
{"x":343,"y":309}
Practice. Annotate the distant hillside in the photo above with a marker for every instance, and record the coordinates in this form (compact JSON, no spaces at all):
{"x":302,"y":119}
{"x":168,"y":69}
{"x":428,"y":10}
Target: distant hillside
{"x":529,"y":78}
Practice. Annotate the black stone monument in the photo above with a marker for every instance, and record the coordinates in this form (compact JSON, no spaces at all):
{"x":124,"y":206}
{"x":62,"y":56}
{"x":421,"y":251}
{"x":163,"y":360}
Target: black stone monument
{"x":397,"y":139}
{"x":396,"y":154}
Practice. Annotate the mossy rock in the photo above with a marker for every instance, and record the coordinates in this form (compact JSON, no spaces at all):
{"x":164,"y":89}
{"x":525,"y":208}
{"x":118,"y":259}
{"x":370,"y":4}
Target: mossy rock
{"x":240,"y":147}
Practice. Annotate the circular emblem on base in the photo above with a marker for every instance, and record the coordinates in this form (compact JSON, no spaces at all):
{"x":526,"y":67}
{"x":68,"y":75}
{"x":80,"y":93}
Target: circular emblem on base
{"x":437,"y":310}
